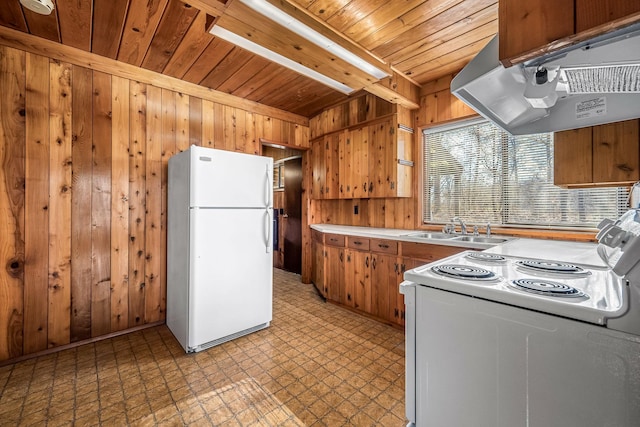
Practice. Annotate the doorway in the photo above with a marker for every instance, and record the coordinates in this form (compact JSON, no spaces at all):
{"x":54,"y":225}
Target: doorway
{"x":287,"y":204}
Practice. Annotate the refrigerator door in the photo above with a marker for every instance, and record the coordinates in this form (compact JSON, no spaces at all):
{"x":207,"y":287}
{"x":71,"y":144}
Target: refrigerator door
{"x":228,"y":179}
{"x":231,"y":272}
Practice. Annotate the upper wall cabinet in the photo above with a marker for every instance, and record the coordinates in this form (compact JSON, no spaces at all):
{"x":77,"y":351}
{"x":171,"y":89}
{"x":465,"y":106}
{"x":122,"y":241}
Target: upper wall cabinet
{"x":530,"y":28}
{"x":602,"y":155}
{"x":362,"y":149}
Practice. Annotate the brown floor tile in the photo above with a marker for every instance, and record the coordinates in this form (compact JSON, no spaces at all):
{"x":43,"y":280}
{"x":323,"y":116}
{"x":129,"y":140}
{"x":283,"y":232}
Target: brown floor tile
{"x":316,"y":365}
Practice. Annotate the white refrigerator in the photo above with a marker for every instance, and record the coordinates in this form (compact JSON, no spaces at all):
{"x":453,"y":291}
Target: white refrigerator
{"x":219,"y":244}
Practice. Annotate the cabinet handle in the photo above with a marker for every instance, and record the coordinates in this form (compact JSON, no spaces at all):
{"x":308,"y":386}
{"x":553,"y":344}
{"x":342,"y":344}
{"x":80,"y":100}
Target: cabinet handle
{"x":402,"y":314}
{"x":349,"y":258}
{"x":395,"y":267}
{"x":364,"y":187}
{"x":348,"y":297}
{"x":370,"y":187}
{"x":393,"y":185}
{"x":403,"y":268}
{"x":366,"y":261}
{"x":383,"y":245}
{"x":357,"y":242}
{"x":333,"y":239}
{"x":395,"y":313}
{"x":341,"y":189}
{"x":341,"y":257}
{"x":373,"y":263}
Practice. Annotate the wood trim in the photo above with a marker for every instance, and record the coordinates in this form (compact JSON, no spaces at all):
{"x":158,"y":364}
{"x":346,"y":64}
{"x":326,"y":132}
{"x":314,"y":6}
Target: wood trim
{"x":37,"y":45}
{"x":78,"y":344}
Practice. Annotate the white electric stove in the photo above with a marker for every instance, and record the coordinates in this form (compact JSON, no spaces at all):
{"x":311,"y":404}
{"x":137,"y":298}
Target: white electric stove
{"x":502,"y":340}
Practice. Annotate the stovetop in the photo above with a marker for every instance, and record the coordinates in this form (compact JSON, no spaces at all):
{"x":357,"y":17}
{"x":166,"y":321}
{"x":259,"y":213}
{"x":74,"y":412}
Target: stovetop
{"x":581,"y":292}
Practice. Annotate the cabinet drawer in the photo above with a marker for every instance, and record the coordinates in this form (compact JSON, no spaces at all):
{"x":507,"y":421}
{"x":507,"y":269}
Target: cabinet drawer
{"x":334,"y":239}
{"x":385,"y":246}
{"x":361,"y":243}
{"x":428,"y":252}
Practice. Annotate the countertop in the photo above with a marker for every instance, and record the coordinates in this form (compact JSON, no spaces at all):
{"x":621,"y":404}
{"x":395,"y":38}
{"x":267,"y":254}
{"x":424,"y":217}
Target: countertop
{"x":399,"y":234}
{"x":567,"y":251}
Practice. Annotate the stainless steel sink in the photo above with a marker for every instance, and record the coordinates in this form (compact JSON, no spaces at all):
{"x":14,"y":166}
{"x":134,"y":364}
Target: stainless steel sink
{"x":479,"y":239}
{"x":427,"y":235}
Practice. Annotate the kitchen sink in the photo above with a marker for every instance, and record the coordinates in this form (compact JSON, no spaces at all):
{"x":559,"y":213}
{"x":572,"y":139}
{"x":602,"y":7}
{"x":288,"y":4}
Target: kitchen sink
{"x":427,"y":235}
{"x":479,"y":239}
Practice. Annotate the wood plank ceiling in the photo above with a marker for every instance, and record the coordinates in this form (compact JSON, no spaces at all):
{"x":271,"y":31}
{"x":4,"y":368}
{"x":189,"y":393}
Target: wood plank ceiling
{"x":419,"y":39}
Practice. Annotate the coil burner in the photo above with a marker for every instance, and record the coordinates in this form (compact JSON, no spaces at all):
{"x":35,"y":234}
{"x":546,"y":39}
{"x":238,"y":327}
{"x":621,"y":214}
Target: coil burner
{"x":483,"y":257}
{"x":547,"y":287}
{"x":465,"y":272}
{"x":553,"y":267}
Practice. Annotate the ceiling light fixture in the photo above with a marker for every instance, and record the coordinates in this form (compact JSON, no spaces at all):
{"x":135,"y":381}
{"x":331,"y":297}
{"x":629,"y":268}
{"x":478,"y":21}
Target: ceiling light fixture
{"x":273,"y":13}
{"x":279,"y":59}
{"x":43,"y":7}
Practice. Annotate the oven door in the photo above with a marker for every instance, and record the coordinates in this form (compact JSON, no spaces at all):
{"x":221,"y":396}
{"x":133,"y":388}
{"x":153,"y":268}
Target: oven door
{"x":484,"y":363}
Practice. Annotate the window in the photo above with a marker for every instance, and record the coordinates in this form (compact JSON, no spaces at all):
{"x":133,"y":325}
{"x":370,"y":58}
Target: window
{"x":480,"y":173}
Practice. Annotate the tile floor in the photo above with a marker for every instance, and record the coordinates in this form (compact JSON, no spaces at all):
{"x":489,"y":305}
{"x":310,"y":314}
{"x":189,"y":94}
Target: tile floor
{"x":316,"y":365}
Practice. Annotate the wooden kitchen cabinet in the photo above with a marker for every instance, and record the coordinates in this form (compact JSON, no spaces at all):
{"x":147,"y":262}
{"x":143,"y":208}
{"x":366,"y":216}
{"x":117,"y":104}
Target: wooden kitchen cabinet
{"x":334,"y":267}
{"x":591,"y":13}
{"x":601,"y":155}
{"x":318,"y":261}
{"x":382,"y":273}
{"x":365,"y":273}
{"x":530,"y":28}
{"x":373,"y":160}
{"x":325,"y":169}
{"x":526,"y":26}
{"x":354,"y":164}
{"x":359,"y":275}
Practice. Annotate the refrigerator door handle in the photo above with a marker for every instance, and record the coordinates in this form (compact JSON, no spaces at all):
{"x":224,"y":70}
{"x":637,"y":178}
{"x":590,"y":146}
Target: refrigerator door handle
{"x":268,"y":228}
{"x":267,"y":187}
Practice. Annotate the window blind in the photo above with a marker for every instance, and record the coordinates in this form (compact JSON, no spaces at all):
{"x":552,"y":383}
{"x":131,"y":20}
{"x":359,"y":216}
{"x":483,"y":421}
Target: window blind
{"x":479,"y":172}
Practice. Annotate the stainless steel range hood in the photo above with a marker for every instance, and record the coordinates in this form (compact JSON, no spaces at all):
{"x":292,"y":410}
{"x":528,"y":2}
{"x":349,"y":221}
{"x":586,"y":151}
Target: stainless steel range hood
{"x":590,"y":83}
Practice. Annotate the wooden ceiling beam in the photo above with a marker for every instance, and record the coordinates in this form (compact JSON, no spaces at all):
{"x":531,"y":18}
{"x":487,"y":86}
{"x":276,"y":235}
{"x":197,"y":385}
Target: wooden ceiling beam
{"x":214,"y":8}
{"x":247,"y":23}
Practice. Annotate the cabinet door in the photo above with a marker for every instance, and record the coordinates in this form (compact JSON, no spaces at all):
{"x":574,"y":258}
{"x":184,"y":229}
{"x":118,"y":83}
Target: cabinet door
{"x":317,"y":267}
{"x":318,"y":169}
{"x":331,"y":162}
{"x":526,"y":26}
{"x":380,"y":160}
{"x":360,"y":277}
{"x":396,"y":299}
{"x":382,"y":272}
{"x":591,"y":13}
{"x":334,"y":280}
{"x":615,"y":152}
{"x":572,"y":157}
{"x":354,"y":165}
{"x":349,"y":278}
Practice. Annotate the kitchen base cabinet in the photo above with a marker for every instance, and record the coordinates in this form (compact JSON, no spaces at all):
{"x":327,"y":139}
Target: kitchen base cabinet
{"x":364,"y":274}
{"x":382,"y":273}
{"x":359,"y":274}
{"x":334,"y":280}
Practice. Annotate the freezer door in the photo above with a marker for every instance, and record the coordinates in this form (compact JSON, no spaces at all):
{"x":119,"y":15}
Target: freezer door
{"x":231,"y":272}
{"x":222,"y":178}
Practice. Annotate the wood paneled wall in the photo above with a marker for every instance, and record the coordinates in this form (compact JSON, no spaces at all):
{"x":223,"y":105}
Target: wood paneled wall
{"x":438,"y":105}
{"x":83,"y":185}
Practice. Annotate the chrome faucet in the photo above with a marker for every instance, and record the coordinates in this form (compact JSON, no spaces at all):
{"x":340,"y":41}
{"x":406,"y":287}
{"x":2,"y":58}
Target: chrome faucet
{"x":463,"y":226}
{"x":488,"y":229}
